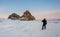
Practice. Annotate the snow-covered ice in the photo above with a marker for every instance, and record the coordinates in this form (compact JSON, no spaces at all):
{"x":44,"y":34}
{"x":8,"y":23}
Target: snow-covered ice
{"x":17,"y":28}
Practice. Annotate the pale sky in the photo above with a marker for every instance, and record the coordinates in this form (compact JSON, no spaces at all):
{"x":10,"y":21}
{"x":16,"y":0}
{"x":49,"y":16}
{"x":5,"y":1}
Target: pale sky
{"x":49,"y":9}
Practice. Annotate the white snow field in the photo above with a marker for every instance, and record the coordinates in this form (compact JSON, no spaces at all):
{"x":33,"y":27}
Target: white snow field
{"x":17,"y":28}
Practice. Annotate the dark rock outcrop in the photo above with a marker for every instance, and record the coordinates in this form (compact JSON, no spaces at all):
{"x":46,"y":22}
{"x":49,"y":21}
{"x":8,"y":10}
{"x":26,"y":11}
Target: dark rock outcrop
{"x":14,"y":16}
{"x":27,"y":16}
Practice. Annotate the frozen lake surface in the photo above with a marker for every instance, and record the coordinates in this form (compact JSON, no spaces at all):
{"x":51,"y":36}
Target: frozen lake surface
{"x":17,"y":28}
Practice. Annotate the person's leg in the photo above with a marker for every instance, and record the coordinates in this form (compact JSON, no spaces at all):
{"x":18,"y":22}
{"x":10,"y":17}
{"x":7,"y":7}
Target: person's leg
{"x":45,"y":26}
{"x":42,"y":27}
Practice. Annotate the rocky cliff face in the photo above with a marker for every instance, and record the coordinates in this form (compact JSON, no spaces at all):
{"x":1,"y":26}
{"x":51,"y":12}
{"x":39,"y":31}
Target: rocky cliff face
{"x":14,"y":16}
{"x":27,"y":15}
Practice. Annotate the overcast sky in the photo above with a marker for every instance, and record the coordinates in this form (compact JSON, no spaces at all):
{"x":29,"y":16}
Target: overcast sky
{"x":49,"y":9}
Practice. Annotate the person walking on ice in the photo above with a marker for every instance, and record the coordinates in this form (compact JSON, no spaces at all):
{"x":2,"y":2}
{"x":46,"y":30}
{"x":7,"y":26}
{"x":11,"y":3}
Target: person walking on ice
{"x":44,"y":24}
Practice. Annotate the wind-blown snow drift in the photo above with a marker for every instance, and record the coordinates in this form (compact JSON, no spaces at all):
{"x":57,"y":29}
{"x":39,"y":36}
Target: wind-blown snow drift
{"x":17,"y":28}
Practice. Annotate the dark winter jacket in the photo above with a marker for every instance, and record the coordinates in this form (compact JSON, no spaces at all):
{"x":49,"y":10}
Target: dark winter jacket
{"x":44,"y":22}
